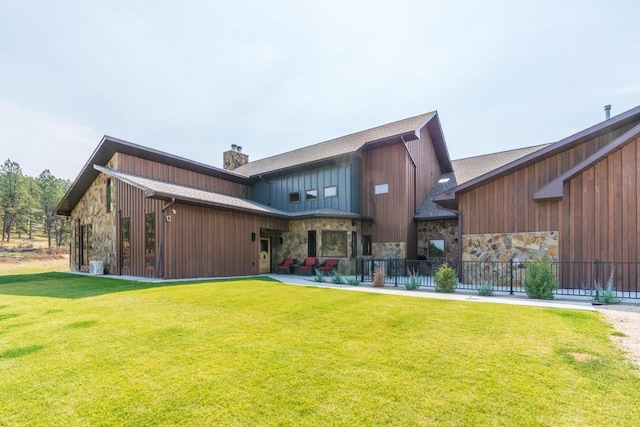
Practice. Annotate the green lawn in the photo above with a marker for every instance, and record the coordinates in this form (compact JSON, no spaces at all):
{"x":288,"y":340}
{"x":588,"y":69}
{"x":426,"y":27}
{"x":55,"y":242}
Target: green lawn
{"x":78,"y":350}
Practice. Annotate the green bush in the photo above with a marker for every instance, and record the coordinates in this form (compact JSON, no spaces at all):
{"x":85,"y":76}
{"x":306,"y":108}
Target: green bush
{"x":485,"y":289}
{"x":445,"y":279}
{"x":539,"y":279}
{"x":414,"y":281}
{"x":319,"y":276}
{"x":352,"y":281}
{"x":337,"y":279}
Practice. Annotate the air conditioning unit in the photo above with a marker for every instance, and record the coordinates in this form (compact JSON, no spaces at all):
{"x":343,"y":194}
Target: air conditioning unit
{"x":96,"y":268}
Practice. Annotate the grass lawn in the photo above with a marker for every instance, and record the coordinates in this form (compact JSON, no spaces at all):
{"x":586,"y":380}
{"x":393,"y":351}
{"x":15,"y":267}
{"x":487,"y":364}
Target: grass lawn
{"x":78,"y":350}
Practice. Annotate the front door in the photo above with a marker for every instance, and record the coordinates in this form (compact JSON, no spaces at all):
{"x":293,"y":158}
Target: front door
{"x":265,"y":255}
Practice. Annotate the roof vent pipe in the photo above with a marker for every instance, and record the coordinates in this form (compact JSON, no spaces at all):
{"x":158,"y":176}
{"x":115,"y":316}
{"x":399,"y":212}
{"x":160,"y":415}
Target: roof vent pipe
{"x":607,"y":111}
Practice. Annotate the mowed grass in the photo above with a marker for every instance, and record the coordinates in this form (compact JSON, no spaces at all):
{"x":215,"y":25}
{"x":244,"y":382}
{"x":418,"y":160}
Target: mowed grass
{"x":34,"y":266}
{"x":77,"y":350}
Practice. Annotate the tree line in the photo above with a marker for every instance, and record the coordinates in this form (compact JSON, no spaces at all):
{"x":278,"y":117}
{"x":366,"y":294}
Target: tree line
{"x":28,"y":203}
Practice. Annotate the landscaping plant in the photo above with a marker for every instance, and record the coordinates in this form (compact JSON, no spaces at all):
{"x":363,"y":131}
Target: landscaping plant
{"x":378,"y":277}
{"x":352,"y":281}
{"x":606,"y":295}
{"x":539,"y":279}
{"x":319,"y":277}
{"x":414,"y":280}
{"x":445,"y":279}
{"x":485,"y":289}
{"x":337,"y":279}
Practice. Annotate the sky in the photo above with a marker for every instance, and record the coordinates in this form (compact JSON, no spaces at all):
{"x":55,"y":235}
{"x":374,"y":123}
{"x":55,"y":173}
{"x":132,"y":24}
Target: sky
{"x":193,"y":77}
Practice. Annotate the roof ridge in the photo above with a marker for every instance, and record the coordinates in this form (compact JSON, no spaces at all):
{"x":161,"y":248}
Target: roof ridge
{"x":502,"y":152}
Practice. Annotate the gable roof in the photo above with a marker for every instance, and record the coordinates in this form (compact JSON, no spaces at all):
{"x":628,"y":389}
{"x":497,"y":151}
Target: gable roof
{"x":109,"y":146}
{"x":449,"y":198}
{"x":555,"y":189}
{"x":350,"y":144}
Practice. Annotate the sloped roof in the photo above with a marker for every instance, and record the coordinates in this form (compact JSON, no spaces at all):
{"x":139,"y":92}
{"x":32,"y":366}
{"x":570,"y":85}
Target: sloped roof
{"x":472,"y":167}
{"x":337,"y":147}
{"x":109,"y":146}
{"x":555,"y":189}
{"x":429,"y":209}
{"x":166,"y":191}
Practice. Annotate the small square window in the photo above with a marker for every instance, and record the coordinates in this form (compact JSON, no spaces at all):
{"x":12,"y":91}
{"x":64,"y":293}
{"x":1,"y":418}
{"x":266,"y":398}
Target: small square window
{"x":436,"y":247}
{"x":331,"y":191}
{"x":311,"y":194}
{"x":382,"y":189}
{"x":294,"y":197}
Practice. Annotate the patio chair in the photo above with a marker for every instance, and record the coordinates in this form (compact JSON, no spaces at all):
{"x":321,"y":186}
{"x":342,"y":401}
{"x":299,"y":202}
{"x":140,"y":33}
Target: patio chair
{"x":329,"y":265}
{"x":285,"y":265}
{"x":308,"y":265}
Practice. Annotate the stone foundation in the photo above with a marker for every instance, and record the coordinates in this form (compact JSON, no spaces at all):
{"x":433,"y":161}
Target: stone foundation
{"x":389,"y":250}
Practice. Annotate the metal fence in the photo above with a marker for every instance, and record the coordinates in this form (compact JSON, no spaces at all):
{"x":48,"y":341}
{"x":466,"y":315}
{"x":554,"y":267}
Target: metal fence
{"x":573,"y":278}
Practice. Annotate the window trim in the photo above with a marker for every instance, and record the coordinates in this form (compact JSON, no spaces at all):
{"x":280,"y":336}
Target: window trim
{"x":381,"y":189}
{"x":429,"y":254}
{"x":306,"y":195}
{"x":324,"y":191}
{"x":296,"y":193}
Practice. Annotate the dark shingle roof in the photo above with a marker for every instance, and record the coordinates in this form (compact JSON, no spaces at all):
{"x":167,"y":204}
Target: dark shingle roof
{"x":335,"y":147}
{"x":429,"y":209}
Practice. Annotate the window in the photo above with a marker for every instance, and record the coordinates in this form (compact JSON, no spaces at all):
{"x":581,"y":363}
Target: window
{"x":311,"y":194}
{"x":381,"y":189}
{"x":294,"y":197}
{"x":366,"y":245}
{"x":331,"y":191}
{"x":334,"y":243}
{"x":108,"y":195}
{"x":125,"y":243}
{"x":150,"y":240}
{"x":436,"y":247}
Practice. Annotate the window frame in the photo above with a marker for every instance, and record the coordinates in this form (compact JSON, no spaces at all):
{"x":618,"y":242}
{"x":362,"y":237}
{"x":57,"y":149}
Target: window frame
{"x":309,"y":191}
{"x":381,"y":189}
{"x":150,"y":243}
{"x":297,"y":194}
{"x":341,"y":249}
{"x":324,"y":191}
{"x":125,"y":249}
{"x":429,"y":254}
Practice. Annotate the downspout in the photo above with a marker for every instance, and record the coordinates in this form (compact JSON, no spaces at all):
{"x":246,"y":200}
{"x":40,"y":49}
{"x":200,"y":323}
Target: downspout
{"x":160,"y":258}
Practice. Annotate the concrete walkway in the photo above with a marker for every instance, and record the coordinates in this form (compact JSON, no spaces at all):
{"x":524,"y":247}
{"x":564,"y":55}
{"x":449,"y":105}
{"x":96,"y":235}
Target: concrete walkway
{"x":459,"y":295}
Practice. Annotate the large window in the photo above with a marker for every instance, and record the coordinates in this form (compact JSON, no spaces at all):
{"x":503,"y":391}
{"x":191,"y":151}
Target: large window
{"x":366,"y":244}
{"x":334,"y":243}
{"x":150,"y":240}
{"x":125,"y":226}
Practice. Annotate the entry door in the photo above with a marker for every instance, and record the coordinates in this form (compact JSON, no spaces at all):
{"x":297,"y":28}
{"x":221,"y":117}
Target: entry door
{"x":311,"y":243}
{"x":265,"y":255}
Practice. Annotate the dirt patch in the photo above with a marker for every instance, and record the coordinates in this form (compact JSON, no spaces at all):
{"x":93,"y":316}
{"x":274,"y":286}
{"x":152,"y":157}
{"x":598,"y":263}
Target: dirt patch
{"x":582,"y":357}
{"x":625,"y":319}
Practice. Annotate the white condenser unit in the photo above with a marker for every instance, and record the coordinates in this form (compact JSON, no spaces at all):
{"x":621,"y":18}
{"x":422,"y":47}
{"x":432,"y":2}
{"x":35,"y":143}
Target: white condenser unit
{"x":96,"y":267}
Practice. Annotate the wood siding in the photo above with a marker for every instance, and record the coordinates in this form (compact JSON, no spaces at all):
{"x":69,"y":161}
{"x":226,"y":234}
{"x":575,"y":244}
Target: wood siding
{"x":204,"y":242}
{"x":159,"y":171}
{"x":602,"y":210}
{"x":506,"y":204}
{"x":388,"y":165}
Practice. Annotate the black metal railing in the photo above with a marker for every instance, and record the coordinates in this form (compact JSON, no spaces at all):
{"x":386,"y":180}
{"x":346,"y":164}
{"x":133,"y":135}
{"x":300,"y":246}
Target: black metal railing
{"x":573,"y":278}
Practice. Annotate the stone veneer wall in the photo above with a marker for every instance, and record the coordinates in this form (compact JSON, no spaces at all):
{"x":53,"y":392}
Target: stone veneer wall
{"x":496,"y":250}
{"x":445,"y":229}
{"x":92,"y":209}
{"x":294,"y":241}
{"x":389,"y":250}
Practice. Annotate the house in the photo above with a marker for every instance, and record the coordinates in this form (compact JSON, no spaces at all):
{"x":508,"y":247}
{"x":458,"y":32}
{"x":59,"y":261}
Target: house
{"x":387,"y":192}
{"x":147,"y":213}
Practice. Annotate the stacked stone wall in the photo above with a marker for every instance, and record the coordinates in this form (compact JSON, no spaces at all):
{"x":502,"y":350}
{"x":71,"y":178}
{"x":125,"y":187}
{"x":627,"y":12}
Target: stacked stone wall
{"x":446,"y":229}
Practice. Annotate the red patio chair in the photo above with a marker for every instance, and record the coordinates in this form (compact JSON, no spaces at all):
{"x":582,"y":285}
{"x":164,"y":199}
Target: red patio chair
{"x":329,"y":265}
{"x":285,"y":265}
{"x":308,"y":265}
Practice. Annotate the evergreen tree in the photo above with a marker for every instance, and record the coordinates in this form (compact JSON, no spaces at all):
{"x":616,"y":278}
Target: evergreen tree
{"x":14,"y":197}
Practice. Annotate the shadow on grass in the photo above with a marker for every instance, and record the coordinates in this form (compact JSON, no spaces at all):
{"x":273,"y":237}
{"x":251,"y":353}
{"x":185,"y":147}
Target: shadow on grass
{"x":19,"y":352}
{"x":75,"y":286}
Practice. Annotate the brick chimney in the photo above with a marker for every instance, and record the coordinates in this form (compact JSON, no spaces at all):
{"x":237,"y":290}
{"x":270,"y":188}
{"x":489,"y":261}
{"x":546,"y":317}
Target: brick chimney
{"x":234,"y":158}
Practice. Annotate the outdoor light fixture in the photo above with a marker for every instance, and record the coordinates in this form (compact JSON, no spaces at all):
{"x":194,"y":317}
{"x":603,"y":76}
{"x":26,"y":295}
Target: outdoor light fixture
{"x":253,"y":237}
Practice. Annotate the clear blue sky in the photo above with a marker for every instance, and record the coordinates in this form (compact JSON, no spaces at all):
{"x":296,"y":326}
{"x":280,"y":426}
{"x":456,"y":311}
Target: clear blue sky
{"x":193,"y":77}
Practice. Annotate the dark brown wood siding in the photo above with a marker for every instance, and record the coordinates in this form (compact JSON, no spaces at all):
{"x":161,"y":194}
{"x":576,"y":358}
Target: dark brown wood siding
{"x":147,"y":168}
{"x":506,"y":204}
{"x":205,"y":242}
{"x":602,"y":205}
{"x":387,"y":165}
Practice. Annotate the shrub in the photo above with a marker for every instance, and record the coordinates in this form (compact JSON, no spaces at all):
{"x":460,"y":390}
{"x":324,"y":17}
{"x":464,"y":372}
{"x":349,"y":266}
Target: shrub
{"x":378,"y":277}
{"x":319,"y":276}
{"x":337,"y":279}
{"x":352,"y":281}
{"x":539,"y":280}
{"x":606,"y":295}
{"x":445,"y":279}
{"x":485,"y":289}
{"x":414,"y":280}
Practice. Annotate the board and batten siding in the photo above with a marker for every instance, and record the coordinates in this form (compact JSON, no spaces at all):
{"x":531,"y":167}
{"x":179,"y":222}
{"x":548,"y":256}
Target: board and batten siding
{"x":387,"y":165}
{"x":275,"y":191}
{"x":506,"y":205}
{"x":206,"y":242}
{"x":601,"y":209}
{"x":162,"y":172}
